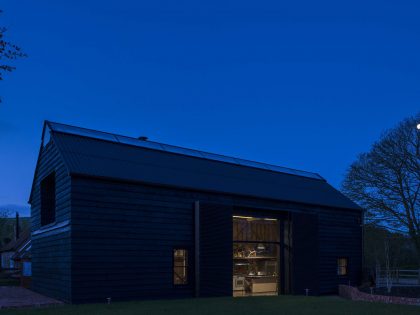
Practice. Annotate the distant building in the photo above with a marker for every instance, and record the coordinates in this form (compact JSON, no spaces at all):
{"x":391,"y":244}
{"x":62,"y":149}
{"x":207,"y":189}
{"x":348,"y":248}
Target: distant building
{"x":127,"y":218}
{"x":22,"y":262}
{"x":21,"y":239}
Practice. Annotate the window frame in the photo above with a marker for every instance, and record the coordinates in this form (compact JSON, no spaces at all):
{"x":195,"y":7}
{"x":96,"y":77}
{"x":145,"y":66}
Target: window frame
{"x":53,"y":214}
{"x":187,"y":266}
{"x":345,"y":266}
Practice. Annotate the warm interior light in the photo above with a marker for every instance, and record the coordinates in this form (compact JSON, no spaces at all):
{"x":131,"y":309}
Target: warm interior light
{"x":242,"y":217}
{"x":252,"y":218}
{"x":261,"y":246}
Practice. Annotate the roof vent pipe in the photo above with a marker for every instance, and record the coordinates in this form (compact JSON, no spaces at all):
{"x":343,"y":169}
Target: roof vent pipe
{"x":143,"y":138}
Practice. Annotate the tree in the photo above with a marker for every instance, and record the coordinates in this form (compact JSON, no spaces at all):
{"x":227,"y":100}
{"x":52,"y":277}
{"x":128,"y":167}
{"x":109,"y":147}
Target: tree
{"x":8,"y":51}
{"x":401,"y":249}
{"x":4,"y":231}
{"x":4,"y":213}
{"x":386,"y":181}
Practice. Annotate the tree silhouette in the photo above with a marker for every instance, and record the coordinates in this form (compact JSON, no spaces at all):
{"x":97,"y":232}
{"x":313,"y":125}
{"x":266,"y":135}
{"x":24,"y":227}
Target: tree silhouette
{"x":386,"y":181}
{"x":8,"y":52}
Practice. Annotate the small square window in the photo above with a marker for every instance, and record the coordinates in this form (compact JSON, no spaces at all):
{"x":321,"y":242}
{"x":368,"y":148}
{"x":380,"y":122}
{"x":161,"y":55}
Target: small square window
{"x":342,"y":266}
{"x":47,"y":191}
{"x":180,"y":266}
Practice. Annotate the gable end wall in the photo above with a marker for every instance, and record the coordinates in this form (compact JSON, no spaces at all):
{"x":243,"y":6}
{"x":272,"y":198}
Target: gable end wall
{"x":51,"y":245}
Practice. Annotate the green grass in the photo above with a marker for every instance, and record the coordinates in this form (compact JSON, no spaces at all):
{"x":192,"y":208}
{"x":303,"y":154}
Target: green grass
{"x":283,"y":305}
{"x":9,"y":282}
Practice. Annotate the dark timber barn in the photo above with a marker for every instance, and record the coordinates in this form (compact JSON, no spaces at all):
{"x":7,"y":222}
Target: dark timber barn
{"x":127,"y":218}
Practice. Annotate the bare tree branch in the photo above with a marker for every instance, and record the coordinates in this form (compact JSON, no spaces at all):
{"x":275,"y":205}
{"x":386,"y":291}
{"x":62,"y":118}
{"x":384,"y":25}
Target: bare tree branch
{"x":8,"y":53}
{"x":386,"y":180}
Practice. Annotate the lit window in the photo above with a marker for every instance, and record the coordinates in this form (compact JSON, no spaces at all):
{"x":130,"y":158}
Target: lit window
{"x":180,"y":266}
{"x":48,"y":199}
{"x":342,"y":266}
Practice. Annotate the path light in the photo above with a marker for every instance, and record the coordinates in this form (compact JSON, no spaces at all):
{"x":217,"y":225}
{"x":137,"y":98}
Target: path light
{"x":418,"y":126}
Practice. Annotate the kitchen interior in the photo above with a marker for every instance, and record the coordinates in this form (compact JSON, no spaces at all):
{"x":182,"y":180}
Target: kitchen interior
{"x":256,"y":253}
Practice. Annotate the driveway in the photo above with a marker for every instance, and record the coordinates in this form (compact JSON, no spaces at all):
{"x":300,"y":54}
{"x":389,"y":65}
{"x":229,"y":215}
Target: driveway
{"x":16,"y":297}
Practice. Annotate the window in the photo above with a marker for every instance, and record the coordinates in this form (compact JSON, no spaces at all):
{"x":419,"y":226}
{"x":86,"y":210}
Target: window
{"x":48,"y":199}
{"x":27,"y":269}
{"x":180,"y":266}
{"x":342,"y":266}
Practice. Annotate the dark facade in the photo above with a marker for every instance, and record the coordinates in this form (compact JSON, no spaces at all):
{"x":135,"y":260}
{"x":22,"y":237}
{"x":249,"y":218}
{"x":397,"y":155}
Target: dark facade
{"x":122,"y":208}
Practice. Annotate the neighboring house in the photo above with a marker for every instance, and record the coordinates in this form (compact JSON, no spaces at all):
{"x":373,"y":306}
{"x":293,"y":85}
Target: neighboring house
{"x":8,"y":251}
{"x":22,"y":262}
{"x":125,"y":218}
{"x":6,"y":255}
{"x":8,"y":229}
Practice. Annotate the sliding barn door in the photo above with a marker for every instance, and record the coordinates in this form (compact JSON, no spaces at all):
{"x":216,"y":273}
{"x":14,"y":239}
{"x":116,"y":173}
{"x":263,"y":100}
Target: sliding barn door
{"x":305,"y":254}
{"x":215,"y":257}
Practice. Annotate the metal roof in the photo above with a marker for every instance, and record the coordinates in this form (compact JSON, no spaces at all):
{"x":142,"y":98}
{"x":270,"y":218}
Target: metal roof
{"x":175,"y":149}
{"x":17,"y":243}
{"x":100,"y":154}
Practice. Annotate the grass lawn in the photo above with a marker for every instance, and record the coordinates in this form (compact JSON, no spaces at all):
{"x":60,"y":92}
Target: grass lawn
{"x":9,"y":282}
{"x":282,"y":305}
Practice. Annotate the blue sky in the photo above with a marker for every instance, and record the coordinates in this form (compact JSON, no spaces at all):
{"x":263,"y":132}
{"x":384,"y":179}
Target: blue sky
{"x":303,"y":84}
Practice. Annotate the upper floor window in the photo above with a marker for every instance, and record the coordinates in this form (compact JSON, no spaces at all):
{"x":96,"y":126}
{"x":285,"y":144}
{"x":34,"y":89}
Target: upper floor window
{"x":180,"y":266}
{"x":48,"y":199}
{"x":342,"y":266}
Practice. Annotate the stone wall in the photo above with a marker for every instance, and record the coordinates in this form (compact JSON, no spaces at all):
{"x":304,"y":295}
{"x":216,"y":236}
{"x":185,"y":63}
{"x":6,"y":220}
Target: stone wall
{"x":354,"y":294}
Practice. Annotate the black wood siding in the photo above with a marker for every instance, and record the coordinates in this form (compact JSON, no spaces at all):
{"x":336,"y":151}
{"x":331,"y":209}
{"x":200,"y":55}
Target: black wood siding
{"x":305,"y":254}
{"x":215,"y":250}
{"x":120,"y":236}
{"x":123,"y":235}
{"x":123,"y":238}
{"x":340,"y":235}
{"x":51,"y":251}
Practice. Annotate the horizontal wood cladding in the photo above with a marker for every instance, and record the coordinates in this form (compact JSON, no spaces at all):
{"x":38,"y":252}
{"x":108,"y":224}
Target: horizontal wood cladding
{"x":51,"y":254}
{"x":51,"y":161}
{"x":305,"y":254}
{"x":123,"y":235}
{"x":51,"y":265}
{"x":340,"y":235}
{"x":116,"y":239}
{"x":175,"y":196}
{"x":215,"y":249}
{"x":123,"y":238}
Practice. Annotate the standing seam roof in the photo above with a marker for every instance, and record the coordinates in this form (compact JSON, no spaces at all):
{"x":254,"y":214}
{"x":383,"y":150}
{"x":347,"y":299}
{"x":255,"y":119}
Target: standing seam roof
{"x":99,"y":157}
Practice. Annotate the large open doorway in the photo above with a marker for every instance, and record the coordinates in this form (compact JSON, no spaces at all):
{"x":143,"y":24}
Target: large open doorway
{"x":256,"y":256}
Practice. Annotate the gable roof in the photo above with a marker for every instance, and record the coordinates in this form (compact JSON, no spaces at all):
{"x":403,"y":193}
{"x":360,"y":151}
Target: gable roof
{"x":93,"y":153}
{"x":24,"y":250}
{"x":17,"y":243}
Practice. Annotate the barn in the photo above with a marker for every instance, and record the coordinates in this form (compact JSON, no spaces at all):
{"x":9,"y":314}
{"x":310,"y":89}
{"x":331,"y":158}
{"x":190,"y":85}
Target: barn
{"x":128,"y":218}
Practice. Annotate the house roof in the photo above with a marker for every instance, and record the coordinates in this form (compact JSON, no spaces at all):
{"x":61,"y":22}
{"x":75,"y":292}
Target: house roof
{"x":14,"y":245}
{"x":99,"y":154}
{"x":24,"y":250}
{"x":89,"y":133}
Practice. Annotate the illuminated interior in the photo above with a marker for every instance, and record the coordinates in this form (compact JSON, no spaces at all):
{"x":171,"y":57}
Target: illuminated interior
{"x":256,"y":252}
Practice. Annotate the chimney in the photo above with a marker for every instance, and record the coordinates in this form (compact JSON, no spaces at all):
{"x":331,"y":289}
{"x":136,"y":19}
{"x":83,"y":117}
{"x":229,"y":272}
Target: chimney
{"x":143,"y":138}
{"x":17,"y":227}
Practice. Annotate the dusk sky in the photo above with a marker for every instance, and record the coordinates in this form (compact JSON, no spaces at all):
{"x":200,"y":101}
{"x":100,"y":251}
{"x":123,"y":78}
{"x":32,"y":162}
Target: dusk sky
{"x":301,"y":84}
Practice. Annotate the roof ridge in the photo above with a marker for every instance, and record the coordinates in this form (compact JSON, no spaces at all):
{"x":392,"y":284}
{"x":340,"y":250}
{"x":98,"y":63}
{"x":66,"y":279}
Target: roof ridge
{"x":154,"y":145}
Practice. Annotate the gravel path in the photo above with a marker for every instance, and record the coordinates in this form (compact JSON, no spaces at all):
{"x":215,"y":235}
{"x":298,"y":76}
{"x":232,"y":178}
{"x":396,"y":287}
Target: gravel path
{"x":16,"y":297}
